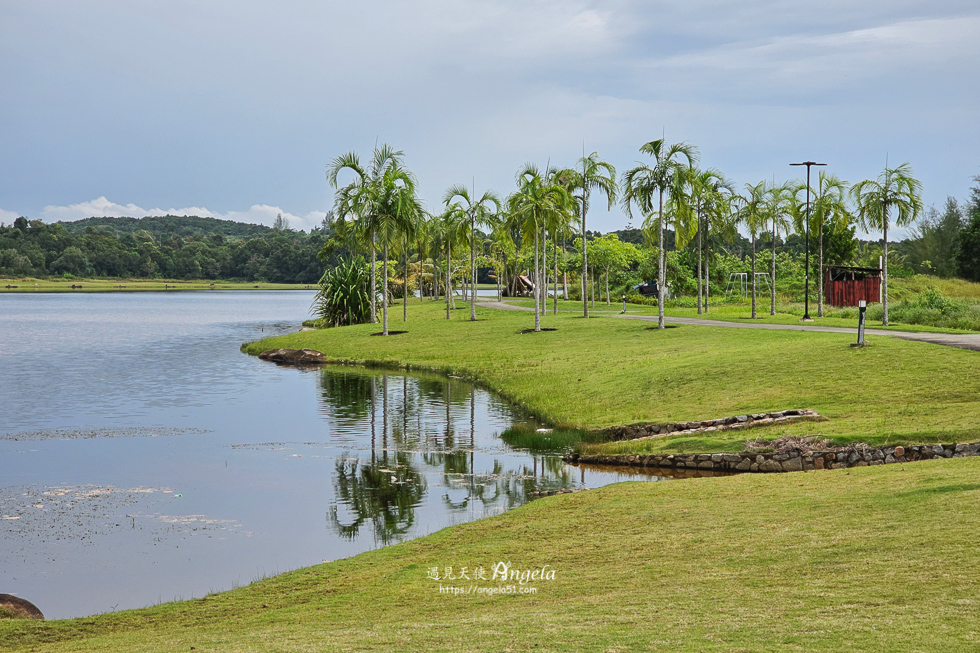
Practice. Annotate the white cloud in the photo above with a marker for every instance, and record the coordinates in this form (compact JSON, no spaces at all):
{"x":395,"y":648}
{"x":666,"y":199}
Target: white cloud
{"x":8,"y":217}
{"x":103,"y":207}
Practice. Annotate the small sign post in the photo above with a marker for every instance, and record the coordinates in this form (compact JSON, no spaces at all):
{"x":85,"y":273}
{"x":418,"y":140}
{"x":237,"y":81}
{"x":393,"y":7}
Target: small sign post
{"x":862,"y":309}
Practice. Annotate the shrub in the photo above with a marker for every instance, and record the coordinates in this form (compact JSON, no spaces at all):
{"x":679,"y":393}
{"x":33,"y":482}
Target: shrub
{"x":344,"y":297}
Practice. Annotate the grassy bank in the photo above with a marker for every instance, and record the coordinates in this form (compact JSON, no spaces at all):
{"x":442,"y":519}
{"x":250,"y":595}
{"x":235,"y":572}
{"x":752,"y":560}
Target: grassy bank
{"x":123,"y":285}
{"x":875,"y":558}
{"x":602,"y":372}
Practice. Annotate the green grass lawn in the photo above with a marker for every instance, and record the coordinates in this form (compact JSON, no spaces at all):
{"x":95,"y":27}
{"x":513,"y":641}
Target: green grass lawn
{"x":786,"y":313}
{"x":874,"y":558}
{"x":123,"y":285}
{"x":591,"y":374}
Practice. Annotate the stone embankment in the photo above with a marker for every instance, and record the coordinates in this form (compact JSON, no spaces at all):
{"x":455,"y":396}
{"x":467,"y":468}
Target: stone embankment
{"x":858,"y":456}
{"x":640,"y":431}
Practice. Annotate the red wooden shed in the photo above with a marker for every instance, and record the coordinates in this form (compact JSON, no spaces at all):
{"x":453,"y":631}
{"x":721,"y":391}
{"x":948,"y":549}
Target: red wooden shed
{"x":845,"y":286}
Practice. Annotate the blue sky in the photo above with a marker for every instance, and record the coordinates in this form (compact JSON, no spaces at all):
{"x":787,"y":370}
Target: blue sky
{"x":233,"y":109}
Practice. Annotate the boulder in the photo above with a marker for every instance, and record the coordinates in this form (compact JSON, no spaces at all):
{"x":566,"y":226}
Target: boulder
{"x":793,"y":464}
{"x":293,"y":356}
{"x":14,"y":607}
{"x":770,"y":466}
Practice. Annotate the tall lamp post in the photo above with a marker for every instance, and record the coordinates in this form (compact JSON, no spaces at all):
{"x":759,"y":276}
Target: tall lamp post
{"x":806,"y":296}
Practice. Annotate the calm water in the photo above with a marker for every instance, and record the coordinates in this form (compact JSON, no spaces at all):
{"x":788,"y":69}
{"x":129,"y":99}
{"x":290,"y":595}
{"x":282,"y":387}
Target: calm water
{"x":144,"y":458}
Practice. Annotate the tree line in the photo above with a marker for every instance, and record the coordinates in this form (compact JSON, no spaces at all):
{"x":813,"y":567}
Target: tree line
{"x":167,"y":247}
{"x":537,"y":235}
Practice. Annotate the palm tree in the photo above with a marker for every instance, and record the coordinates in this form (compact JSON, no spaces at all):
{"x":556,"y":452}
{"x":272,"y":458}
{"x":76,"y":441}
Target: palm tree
{"x":753,"y":214}
{"x":590,"y":174}
{"x":643,"y":181}
{"x":452,"y":232}
{"x":483,"y":212}
{"x":537,"y":199}
{"x":895,"y":188}
{"x":352,"y":213}
{"x":708,"y":197}
{"x":383,"y":199}
{"x":780,"y":206}
{"x":827,"y":206}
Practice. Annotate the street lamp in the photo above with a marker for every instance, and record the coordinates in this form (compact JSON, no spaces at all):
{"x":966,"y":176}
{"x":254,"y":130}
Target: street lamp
{"x":806,"y":296}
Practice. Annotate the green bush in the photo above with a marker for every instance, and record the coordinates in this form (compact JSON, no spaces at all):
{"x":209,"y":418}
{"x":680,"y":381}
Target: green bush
{"x":344,"y":297}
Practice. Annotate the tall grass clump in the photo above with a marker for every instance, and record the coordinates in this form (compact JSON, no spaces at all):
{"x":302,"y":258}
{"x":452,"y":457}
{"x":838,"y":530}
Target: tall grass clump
{"x":343,"y":297}
{"x":933,"y":308}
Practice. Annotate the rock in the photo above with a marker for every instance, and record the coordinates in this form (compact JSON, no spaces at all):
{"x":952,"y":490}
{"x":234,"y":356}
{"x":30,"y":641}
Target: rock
{"x":754,"y":467}
{"x":793,"y":464}
{"x":706,"y":464}
{"x":293,"y":356}
{"x":770,"y":466}
{"x":731,"y":457}
{"x":759,"y":416}
{"x":781,"y":457}
{"x":818,"y":463}
{"x":717,"y":457}
{"x":889,"y":459}
{"x":744,"y":465}
{"x":741,"y":419}
{"x":14,"y":607}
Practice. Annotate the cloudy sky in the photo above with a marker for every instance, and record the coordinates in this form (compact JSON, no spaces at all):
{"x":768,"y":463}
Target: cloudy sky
{"x":233,"y":108}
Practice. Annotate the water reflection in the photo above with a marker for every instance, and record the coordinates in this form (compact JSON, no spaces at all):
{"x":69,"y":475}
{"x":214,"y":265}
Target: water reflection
{"x":423,"y":440}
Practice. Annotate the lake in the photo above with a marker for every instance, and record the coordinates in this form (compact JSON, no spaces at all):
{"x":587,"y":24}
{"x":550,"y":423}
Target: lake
{"x":144,"y":458}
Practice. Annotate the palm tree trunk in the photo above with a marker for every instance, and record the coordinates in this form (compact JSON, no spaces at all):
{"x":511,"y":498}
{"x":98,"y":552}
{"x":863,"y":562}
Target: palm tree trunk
{"x":555,"y":257}
{"x":473,"y":266}
{"x":772,"y":274}
{"x":384,"y":297}
{"x":544,"y":268}
{"x":405,"y":289}
{"x":820,"y":273}
{"x":753,"y":277}
{"x":699,"y":262}
{"x":884,"y":271}
{"x":449,"y":276}
{"x":537,"y":287}
{"x":607,"y":286}
{"x":374,"y":280}
{"x":585,"y":254}
{"x":707,"y":263}
{"x":661,"y":272}
{"x":564,"y":281}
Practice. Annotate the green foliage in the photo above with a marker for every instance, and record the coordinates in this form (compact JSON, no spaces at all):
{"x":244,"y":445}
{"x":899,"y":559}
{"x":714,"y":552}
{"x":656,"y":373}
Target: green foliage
{"x":170,"y":247}
{"x":969,"y":253}
{"x":935,"y":243}
{"x":343,"y":298}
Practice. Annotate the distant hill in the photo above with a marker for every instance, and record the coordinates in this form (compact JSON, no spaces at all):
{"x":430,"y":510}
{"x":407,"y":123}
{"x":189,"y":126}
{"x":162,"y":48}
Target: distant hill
{"x":182,"y":226}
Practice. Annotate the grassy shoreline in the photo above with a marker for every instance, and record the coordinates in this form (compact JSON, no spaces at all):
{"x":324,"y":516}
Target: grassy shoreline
{"x":603,"y":372}
{"x":875,"y":558}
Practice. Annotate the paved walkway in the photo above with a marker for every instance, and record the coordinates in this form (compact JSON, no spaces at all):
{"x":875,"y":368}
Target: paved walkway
{"x":960,"y":340}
